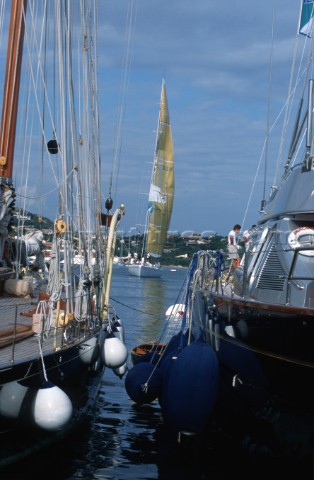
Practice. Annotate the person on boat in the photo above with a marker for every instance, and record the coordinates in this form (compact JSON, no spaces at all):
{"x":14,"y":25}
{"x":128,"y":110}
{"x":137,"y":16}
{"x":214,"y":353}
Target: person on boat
{"x":147,"y":260}
{"x":134,"y":260}
{"x":248,"y":243}
{"x":233,"y":246}
{"x":247,"y":236}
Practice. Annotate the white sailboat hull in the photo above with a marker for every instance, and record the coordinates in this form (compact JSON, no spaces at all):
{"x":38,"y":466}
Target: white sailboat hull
{"x":144,"y":271}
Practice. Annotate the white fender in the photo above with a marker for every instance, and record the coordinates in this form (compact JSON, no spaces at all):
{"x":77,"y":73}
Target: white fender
{"x":12,"y":395}
{"x":52,"y":408}
{"x":89,"y":351}
{"x":120,"y":371}
{"x":230,"y":331}
{"x":98,"y":364}
{"x":114,"y":353}
{"x":176,"y":310}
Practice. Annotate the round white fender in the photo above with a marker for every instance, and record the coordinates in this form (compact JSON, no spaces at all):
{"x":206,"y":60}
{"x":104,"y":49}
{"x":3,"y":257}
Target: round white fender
{"x":176,"y":310}
{"x":12,"y":395}
{"x":89,"y":351}
{"x":120,"y":371}
{"x":52,"y":408}
{"x":229,"y":329}
{"x":114,"y":352}
{"x":98,"y":364}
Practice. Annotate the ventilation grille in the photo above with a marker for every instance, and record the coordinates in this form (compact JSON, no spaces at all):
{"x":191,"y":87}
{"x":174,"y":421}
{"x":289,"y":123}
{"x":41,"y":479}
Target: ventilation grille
{"x":272,"y":276}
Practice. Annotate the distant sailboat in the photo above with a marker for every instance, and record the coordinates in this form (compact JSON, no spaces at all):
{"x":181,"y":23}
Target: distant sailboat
{"x":160,"y":199}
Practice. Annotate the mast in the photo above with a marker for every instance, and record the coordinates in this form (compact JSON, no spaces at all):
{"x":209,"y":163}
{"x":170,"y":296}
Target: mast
{"x":12,"y":87}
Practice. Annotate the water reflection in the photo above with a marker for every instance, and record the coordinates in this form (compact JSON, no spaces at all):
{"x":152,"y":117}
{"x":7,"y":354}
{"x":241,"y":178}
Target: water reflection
{"x":124,"y":441}
{"x":142,"y":302}
{"x":135,"y":444}
{"x":152,"y":300}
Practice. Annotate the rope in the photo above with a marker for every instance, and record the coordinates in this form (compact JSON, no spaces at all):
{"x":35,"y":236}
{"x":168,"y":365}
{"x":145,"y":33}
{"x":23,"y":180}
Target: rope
{"x":286,"y":109}
{"x":32,"y":41}
{"x":188,"y":281}
{"x":268,"y":106}
{"x":53,"y":277}
{"x":190,"y":276}
{"x":132,"y":308}
{"x":42,"y":359}
{"x":124,"y":82}
{"x":80,"y":309}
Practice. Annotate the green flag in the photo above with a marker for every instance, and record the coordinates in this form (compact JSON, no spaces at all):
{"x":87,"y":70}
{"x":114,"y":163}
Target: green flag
{"x":306,"y":18}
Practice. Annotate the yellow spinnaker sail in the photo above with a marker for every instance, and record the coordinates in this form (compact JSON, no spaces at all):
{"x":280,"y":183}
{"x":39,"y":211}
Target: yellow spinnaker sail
{"x":161,"y":192}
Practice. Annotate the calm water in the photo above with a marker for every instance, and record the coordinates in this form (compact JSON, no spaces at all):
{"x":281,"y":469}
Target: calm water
{"x":126,"y":441}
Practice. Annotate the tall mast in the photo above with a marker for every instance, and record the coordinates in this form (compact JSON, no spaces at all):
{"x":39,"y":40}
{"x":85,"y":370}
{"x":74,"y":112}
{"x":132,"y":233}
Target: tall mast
{"x":12,"y":87}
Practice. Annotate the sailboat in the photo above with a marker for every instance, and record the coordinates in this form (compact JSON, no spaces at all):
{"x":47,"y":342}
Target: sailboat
{"x":160,"y":199}
{"x":257,"y":324}
{"x":58,"y":331}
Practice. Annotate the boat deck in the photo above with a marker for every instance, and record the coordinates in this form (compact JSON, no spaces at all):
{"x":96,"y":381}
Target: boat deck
{"x":15,"y":328}
{"x":18,"y":341}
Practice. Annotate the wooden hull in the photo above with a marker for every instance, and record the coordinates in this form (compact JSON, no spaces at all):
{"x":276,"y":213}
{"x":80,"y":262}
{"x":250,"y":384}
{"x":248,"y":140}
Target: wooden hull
{"x":147,"y":352}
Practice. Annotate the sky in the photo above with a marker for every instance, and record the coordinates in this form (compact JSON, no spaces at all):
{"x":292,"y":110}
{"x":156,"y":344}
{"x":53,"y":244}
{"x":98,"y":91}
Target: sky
{"x":215,"y":58}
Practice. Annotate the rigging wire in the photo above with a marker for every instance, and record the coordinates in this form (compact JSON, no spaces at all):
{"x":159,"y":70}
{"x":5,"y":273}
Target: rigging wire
{"x":268,"y":111}
{"x":2,"y":10}
{"x":292,"y":91}
{"x":43,"y":145}
{"x":263,"y":150}
{"x":286,"y":110}
{"x":124,"y":83}
{"x":37,"y":48}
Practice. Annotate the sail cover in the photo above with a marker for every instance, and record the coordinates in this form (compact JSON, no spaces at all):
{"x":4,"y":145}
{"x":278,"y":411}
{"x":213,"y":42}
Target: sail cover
{"x":161,"y":192}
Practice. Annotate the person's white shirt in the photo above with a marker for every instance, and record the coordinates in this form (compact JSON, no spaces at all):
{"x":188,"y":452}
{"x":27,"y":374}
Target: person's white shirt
{"x":232,"y":238}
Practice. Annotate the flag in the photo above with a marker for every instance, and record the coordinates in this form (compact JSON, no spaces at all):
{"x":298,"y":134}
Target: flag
{"x":306,"y":17}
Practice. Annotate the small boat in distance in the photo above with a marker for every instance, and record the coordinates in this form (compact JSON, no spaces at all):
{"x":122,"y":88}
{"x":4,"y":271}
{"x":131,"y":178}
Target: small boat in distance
{"x":160,"y":199}
{"x":147,"y":352}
